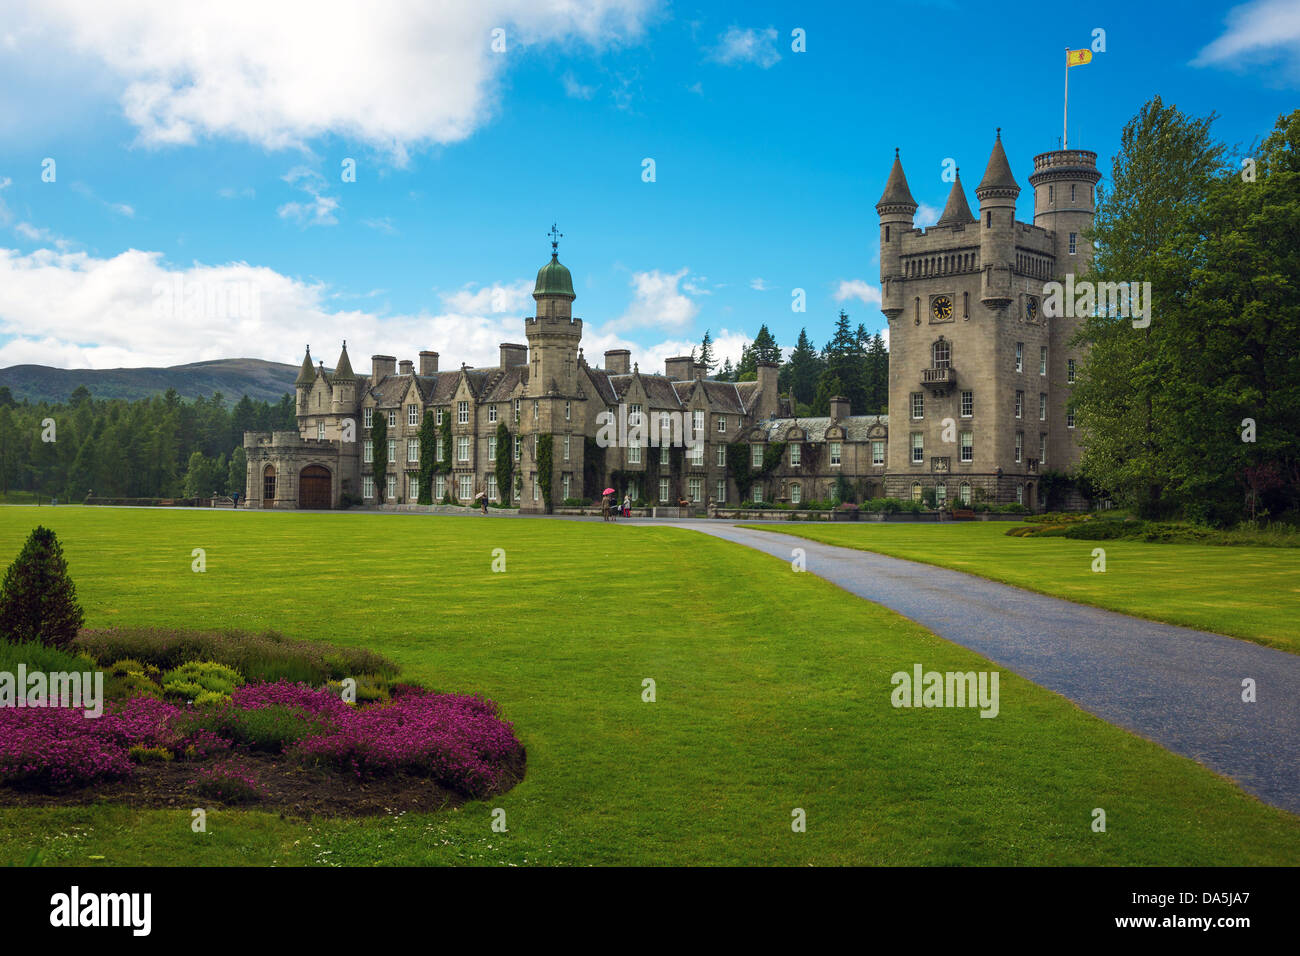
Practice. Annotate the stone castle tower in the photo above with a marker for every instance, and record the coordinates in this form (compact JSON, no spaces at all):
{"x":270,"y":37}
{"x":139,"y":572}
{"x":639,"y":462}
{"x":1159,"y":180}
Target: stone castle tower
{"x":979,"y":379}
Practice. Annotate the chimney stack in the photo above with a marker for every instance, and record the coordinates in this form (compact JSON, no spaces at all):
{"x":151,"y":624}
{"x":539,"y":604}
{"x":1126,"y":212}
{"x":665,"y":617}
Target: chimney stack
{"x":382,"y":365}
{"x":513,"y":354}
{"x":700,"y":371}
{"x":618,"y":361}
{"x":839,"y":407}
{"x":407,"y":366}
{"x":680,"y":368}
{"x":428,"y":363}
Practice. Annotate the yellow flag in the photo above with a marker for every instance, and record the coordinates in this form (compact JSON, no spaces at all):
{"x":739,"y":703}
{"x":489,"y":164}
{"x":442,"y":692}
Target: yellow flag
{"x":1078,"y":57}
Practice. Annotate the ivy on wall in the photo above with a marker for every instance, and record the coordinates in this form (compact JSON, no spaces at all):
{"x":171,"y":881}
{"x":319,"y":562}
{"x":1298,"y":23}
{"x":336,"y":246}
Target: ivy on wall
{"x":428,"y":457}
{"x":545,"y":467}
{"x":505,"y":466}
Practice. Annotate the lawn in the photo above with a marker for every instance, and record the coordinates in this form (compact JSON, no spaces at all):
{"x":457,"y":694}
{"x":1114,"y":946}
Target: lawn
{"x":773,"y":693}
{"x":1248,"y":592}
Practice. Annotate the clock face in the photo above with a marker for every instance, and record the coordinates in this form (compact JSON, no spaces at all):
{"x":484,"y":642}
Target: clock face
{"x":1031,"y":307}
{"x":942,"y":307}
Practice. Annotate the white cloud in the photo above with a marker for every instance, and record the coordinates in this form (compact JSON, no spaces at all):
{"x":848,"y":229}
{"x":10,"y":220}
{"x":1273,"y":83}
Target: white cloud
{"x":926,"y":216}
{"x":34,"y":233}
{"x":394,"y":75}
{"x":384,"y":224}
{"x":5,"y":214}
{"x":857,"y":289}
{"x":1261,"y":32}
{"x":248,"y":192}
{"x":759,"y":285}
{"x":321,"y":208}
{"x":750,"y":45}
{"x":513,"y":297}
{"x":575,"y":90}
{"x":657,"y":302}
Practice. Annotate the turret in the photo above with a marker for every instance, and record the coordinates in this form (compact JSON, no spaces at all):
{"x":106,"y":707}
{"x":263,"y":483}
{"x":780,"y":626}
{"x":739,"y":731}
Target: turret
{"x":957,"y":211}
{"x":343,"y":399}
{"x":997,"y":194}
{"x":1064,"y":183}
{"x":305,"y":380}
{"x":553,"y":334}
{"x":896,"y":209}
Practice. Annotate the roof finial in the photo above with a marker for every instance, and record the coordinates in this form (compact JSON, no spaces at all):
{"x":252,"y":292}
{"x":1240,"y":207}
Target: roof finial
{"x":345,"y":345}
{"x":895,"y":152}
{"x":999,"y":132}
{"x":556,"y":236}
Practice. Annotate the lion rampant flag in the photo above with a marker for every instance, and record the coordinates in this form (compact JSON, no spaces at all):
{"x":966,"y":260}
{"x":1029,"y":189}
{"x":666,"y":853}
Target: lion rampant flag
{"x":1077,"y":57}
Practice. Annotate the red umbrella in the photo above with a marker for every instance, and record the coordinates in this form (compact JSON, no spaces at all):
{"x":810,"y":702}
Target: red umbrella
{"x":608,"y":491}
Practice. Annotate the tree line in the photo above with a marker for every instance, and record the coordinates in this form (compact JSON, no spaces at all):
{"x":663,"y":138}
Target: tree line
{"x":157,"y":447}
{"x":853,"y":363}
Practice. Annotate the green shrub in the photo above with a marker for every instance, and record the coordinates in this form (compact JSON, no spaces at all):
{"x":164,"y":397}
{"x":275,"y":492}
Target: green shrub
{"x":265,"y":729}
{"x":142,"y":754}
{"x":1097,"y":531}
{"x":196,"y":678}
{"x":126,"y":686}
{"x":38,"y":601}
{"x":38,"y":657}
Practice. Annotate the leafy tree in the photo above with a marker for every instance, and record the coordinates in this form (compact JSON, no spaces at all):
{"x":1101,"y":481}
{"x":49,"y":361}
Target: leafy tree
{"x":379,"y":453}
{"x":237,"y":472}
{"x":38,"y":601}
{"x":505,"y":464}
{"x":545,"y":467}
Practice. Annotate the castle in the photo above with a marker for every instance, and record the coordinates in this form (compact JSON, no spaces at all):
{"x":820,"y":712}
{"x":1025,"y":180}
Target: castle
{"x":979,"y":386}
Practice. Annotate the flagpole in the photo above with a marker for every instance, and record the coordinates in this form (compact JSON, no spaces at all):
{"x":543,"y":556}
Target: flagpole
{"x":1065,"y":118}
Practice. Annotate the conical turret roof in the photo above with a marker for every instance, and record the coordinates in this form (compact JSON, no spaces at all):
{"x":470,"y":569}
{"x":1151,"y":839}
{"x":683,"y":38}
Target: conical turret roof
{"x":998,"y":173}
{"x":957,"y":210}
{"x":343,"y":370}
{"x":306,"y":374}
{"x":896,"y":191}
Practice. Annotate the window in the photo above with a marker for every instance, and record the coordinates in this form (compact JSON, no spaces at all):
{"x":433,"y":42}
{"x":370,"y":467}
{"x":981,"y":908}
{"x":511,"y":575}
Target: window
{"x":965,"y":305}
{"x":696,"y":489}
{"x":492,"y":488}
{"x":368,"y":486}
{"x":320,"y":431}
{"x":437,"y":448}
{"x":1042,"y":449}
{"x":268,"y":484}
{"x":437,"y":416}
{"x":967,"y":404}
{"x":796,"y":454}
{"x":392,"y":419}
{"x":537,"y":410}
{"x":1020,"y":446}
{"x":412,"y":449}
{"x":878,"y":453}
{"x":492,"y":414}
{"x":665,"y":427}
{"x":567,"y":439}
{"x":988,"y":219}
{"x":634,"y":454}
{"x":412,"y":415}
{"x":519,"y":447}
{"x":368,"y":451}
{"x":721,"y":456}
{"x":1020,"y":403}
{"x":1069,"y":418}
{"x":941,"y":353}
{"x":462,"y":448}
{"x":1074,"y":243}
{"x":697,"y":454}
{"x":568,"y":414}
{"x":967,"y":446}
{"x":634,"y":414}
{"x":440,"y":487}
{"x":537,"y":489}
{"x":796,"y":493}
{"x":390,"y":487}
{"x":835,"y":452}
{"x":758,"y":494}
{"x":1072,"y":193}
{"x":462,"y":413}
{"x":516,"y":411}
{"x":368,"y":417}
{"x":1069,"y":371}
{"x":697,"y":423}
{"x":916,"y":491}
{"x":721,"y":494}
{"x":1020,"y":494}
{"x":1042,"y":406}
{"x":940,"y":494}
{"x":722,"y":424}
{"x":1042,"y":360}
{"x":1020,"y":356}
{"x":918,"y":405}
{"x":663,"y":489}
{"x":1051,"y":195}
{"x":412,"y":488}
{"x":756,"y":456}
{"x":918,"y":448}
{"x":492,"y":447}
{"x":963,"y":493}
{"x":392,"y":449}
{"x":466,"y":487}
{"x":567,"y":482}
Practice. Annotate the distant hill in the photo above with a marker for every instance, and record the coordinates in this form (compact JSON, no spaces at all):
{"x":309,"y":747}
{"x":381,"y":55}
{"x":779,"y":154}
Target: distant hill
{"x":231,"y":377}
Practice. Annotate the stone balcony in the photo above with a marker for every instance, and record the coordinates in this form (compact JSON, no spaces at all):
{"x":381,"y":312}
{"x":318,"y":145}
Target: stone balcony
{"x":939,"y":378}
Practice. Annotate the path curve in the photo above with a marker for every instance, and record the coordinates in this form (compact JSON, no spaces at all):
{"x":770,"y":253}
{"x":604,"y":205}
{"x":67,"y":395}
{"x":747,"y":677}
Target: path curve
{"x":1177,"y":686}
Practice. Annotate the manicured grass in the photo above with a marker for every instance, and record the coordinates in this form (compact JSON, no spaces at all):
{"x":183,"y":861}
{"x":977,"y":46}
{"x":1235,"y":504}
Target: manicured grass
{"x":773,"y":693}
{"x":1248,"y":592}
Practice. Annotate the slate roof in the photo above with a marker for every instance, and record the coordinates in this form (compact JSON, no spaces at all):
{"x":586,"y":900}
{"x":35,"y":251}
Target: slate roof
{"x":856,"y":427}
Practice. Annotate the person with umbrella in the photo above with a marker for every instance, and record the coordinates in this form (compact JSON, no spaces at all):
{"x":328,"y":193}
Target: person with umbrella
{"x":481,"y":498}
{"x":605,"y":503}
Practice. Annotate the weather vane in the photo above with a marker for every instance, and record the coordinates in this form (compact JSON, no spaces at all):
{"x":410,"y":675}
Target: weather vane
{"x":556,"y":236}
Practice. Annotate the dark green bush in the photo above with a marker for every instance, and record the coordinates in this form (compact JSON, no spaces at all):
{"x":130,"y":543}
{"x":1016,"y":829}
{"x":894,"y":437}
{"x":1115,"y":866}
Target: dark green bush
{"x":38,"y":601}
{"x":265,"y":729}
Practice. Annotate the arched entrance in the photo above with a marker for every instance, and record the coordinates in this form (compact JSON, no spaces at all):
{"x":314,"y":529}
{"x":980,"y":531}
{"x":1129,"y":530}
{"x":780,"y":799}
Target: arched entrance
{"x":268,"y":487}
{"x":314,"y":488}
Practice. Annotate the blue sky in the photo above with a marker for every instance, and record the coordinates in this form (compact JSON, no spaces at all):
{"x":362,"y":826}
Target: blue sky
{"x":205,"y":147}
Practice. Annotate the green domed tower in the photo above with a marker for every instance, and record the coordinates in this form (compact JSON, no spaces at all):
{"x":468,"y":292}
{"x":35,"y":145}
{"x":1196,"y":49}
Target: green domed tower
{"x":553,"y":334}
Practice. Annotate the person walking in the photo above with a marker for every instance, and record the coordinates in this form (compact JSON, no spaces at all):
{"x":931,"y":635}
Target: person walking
{"x":604,"y":507}
{"x":627,"y":506}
